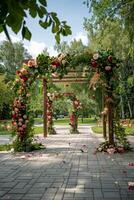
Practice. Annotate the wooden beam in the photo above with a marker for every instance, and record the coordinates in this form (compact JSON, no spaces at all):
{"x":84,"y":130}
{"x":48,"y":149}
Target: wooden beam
{"x":45,"y":108}
{"x":69,"y":81}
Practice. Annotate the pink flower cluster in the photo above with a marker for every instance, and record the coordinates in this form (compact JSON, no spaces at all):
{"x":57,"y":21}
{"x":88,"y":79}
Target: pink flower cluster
{"x":49,"y":111}
{"x":60,"y":60}
{"x":95,"y":62}
{"x":19,"y":117}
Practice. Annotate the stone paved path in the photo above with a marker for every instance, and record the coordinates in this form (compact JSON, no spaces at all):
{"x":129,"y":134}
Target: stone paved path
{"x":67,"y":170}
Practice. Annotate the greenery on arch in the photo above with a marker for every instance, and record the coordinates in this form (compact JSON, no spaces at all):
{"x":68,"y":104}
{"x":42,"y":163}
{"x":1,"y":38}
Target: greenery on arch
{"x":104,"y":68}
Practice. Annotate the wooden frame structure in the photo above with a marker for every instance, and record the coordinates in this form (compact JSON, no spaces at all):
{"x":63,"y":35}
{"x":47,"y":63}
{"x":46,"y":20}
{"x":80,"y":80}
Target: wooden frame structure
{"x":71,"y":77}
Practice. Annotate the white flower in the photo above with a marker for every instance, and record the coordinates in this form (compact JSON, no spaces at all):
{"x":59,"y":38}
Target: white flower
{"x":63,"y":62}
{"x":95,"y":56}
{"x":48,"y":94}
{"x":108,"y":68}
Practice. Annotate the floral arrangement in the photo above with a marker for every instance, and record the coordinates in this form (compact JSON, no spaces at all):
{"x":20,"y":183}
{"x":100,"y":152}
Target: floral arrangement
{"x":22,"y":119}
{"x":104,"y":61}
{"x":104,"y":66}
{"x":74,"y":115}
{"x":50,"y":98}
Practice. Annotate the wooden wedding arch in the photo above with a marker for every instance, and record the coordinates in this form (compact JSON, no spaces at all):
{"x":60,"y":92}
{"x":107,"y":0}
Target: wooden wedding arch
{"x":103,"y":67}
{"x":73,"y":76}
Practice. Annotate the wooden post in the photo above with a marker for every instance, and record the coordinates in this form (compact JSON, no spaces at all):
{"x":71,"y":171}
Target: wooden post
{"x":45,"y":107}
{"x":104,"y":116}
{"x":110,"y":124}
{"x":104,"y":126}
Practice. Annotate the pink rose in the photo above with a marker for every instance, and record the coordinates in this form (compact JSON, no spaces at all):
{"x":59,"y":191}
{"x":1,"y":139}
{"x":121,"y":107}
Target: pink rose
{"x":16,"y":110}
{"x":24,"y":116}
{"x":110,"y":58}
{"x":24,"y":126}
{"x":20,"y":124}
{"x":20,"y":129}
{"x":108,"y":68}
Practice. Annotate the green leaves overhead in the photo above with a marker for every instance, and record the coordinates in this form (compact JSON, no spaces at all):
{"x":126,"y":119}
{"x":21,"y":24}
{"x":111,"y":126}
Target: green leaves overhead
{"x":14,"y":13}
{"x":43,"y":2}
{"x":58,"y":28}
{"x":26,"y":33}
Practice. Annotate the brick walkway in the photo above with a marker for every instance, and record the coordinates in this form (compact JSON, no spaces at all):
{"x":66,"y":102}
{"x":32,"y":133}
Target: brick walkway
{"x":67,"y":170}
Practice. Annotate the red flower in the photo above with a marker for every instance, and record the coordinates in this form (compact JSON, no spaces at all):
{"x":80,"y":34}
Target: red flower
{"x":18,"y":72}
{"x":14,"y":116}
{"x":110,"y":58}
{"x":55,"y":63}
{"x":94,"y":63}
{"x":24,"y":78}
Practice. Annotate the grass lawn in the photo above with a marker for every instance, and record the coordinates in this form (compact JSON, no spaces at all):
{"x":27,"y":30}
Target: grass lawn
{"x":99,"y":130}
{"x":63,"y":121}
{"x":66,"y":121}
{"x":5,"y":147}
{"x":4,"y":128}
{"x":38,"y":129}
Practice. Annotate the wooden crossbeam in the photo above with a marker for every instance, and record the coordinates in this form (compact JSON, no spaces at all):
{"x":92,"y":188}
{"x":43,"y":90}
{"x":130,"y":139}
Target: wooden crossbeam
{"x":69,"y":81}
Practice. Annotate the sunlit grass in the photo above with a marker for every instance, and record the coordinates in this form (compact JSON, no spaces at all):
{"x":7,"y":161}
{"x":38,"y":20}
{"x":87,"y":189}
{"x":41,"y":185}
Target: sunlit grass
{"x":66,"y":121}
{"x":99,"y":130}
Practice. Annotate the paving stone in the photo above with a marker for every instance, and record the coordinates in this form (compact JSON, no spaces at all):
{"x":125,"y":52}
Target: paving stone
{"x":12,"y":197}
{"x":63,"y":172}
{"x":2,"y":192}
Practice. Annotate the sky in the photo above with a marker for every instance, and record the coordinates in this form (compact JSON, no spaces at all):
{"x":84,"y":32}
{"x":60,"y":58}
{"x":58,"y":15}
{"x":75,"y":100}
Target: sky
{"x":72,"y":11}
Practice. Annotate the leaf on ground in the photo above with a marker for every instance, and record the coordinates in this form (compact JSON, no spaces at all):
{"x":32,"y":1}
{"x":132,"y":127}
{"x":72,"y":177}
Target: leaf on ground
{"x":82,"y":150}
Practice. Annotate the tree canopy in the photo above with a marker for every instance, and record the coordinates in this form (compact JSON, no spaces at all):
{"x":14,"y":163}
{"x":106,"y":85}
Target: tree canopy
{"x":14,"y":14}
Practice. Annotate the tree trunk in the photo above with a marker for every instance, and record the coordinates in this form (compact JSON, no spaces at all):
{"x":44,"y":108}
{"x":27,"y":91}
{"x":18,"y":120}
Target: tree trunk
{"x":130,"y":110}
{"x":122,"y":108}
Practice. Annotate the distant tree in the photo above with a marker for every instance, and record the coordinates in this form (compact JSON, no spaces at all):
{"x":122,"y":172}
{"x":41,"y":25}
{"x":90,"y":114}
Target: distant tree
{"x":12,"y":57}
{"x":45,"y":52}
{"x":110,"y":27}
{"x":14,"y":14}
{"x":104,"y":9}
{"x":74,"y":47}
{"x":6,"y":97}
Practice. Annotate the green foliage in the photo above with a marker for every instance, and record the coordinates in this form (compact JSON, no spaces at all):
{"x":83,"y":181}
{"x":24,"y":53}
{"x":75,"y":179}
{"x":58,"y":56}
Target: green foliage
{"x":14,"y":13}
{"x":112,"y":33}
{"x":27,"y":145}
{"x":6,"y":147}
{"x":123,"y":10}
{"x":6,"y":98}
{"x":12,"y":57}
{"x":121,"y":136}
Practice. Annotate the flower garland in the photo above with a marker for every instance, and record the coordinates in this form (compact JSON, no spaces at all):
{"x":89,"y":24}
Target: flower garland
{"x":22,"y":119}
{"x":103,"y":64}
{"x":74,"y":115}
{"x":50,"y":98}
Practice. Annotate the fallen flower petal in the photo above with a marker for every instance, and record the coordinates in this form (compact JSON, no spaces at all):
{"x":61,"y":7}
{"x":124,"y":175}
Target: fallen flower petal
{"x":131,"y":164}
{"x":131,"y":185}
